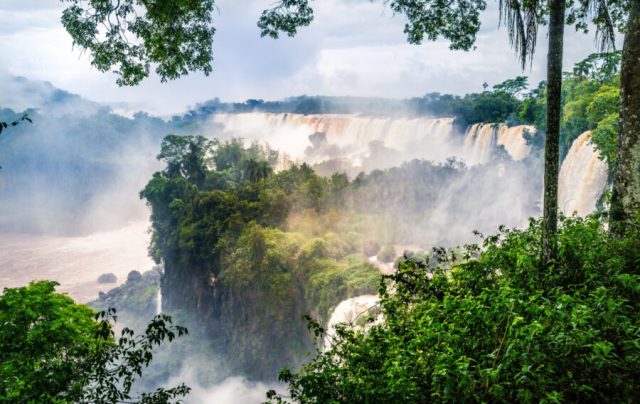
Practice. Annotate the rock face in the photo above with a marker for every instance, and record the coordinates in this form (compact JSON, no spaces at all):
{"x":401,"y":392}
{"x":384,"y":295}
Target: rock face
{"x":135,"y":301}
{"x":583,"y":178}
{"x":108,"y":278}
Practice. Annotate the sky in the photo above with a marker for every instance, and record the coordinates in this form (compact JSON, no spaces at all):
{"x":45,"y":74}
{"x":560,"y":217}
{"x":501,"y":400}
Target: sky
{"x":354,"y":47}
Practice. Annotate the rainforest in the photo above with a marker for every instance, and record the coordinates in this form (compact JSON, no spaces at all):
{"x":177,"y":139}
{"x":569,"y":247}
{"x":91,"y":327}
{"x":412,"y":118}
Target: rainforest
{"x":479,"y":243}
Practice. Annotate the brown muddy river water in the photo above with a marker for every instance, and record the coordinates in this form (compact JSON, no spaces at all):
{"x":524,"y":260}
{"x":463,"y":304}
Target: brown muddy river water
{"x":75,"y":262}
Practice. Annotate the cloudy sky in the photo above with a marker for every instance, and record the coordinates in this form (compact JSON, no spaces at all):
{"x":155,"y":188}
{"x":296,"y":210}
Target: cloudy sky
{"x":354,"y":47}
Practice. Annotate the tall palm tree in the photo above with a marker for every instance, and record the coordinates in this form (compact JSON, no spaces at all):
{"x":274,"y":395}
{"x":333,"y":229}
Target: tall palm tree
{"x":552,"y":142}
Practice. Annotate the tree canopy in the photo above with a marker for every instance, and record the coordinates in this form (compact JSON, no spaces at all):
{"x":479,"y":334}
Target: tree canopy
{"x":174,"y":38}
{"x":493,"y":326}
{"x":129,"y":36}
{"x":55,"y":350}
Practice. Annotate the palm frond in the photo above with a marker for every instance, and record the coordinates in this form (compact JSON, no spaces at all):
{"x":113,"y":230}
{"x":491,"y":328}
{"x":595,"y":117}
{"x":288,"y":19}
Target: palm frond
{"x":521,"y":19}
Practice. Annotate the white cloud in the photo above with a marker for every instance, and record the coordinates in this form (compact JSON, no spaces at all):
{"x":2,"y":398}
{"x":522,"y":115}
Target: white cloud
{"x":354,"y":47}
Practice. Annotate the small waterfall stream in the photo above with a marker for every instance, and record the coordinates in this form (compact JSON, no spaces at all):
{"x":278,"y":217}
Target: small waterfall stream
{"x":481,"y":140}
{"x":349,"y":312}
{"x":159,"y":301}
{"x":583,"y":178}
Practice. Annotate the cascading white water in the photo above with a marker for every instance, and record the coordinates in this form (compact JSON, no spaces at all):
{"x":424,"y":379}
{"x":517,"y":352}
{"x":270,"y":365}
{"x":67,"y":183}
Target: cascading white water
{"x":513,"y":140}
{"x":481,"y":140}
{"x":159,"y":301}
{"x":583,"y":178}
{"x":347,"y":136}
{"x":479,"y":143}
{"x":349,"y":312}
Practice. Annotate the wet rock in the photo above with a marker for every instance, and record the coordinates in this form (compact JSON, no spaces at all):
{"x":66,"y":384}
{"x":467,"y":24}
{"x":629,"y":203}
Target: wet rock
{"x":107,"y":278}
{"x":134,"y":276}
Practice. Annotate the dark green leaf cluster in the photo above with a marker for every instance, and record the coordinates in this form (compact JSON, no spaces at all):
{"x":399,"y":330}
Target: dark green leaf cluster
{"x":591,"y":99}
{"x":115,"y":369}
{"x":286,"y":16}
{"x":55,"y":350}
{"x":45,"y":340}
{"x":497,"y":328}
{"x":130,"y":35}
{"x":457,"y":21}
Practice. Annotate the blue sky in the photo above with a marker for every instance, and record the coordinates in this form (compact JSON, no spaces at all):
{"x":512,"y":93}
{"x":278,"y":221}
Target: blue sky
{"x":354,"y":47}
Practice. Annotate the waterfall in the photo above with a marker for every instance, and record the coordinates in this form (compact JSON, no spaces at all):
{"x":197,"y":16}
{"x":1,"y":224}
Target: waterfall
{"x":481,"y":140}
{"x":351,"y":137}
{"x":349,"y":312}
{"x":583,"y":178}
{"x":159,"y":301}
{"x":479,"y":143}
{"x":512,"y":138}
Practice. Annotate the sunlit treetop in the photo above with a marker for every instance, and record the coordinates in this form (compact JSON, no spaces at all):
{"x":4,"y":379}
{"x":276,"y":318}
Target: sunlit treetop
{"x":175,"y":37}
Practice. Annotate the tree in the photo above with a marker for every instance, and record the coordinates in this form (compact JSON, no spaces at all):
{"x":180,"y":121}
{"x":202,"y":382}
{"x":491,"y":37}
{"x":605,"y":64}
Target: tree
{"x":492,"y":329}
{"x":130,"y":35}
{"x":625,"y":198}
{"x":55,"y":350}
{"x":552,"y":142}
{"x":186,"y":156}
{"x":513,"y":87}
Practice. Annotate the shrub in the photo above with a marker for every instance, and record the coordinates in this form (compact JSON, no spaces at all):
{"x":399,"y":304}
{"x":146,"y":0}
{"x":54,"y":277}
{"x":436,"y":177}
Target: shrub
{"x":500,"y":328}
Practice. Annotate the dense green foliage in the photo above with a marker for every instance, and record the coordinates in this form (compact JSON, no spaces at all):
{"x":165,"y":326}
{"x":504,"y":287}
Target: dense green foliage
{"x":257,"y":249}
{"x":220,"y":220}
{"x":499,"y":328}
{"x":45,"y":338}
{"x":128,"y":36}
{"x":55,"y":350}
{"x":591,"y":101}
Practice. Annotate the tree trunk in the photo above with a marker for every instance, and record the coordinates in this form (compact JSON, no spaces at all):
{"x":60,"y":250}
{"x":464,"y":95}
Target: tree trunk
{"x":552,"y":148}
{"x":625,"y":199}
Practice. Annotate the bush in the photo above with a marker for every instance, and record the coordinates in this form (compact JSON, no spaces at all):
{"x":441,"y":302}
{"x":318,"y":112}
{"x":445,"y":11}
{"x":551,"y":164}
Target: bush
{"x":500,"y":328}
{"x":53,"y":350}
{"x":108,"y":278}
